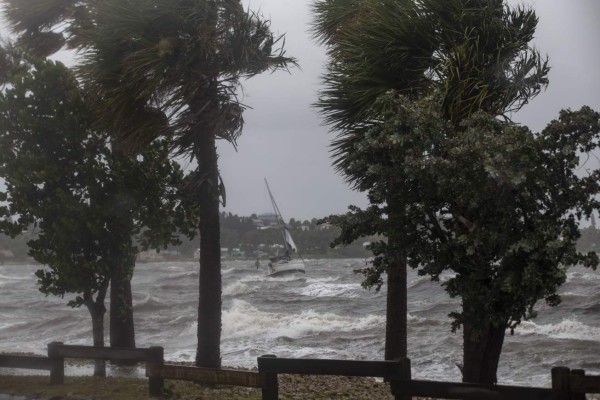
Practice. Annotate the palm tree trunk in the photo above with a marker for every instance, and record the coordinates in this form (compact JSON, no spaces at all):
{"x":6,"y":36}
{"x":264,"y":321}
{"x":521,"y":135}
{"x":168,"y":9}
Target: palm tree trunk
{"x":396,"y":309}
{"x":209,"y":300}
{"x":396,"y":312}
{"x":122,"y":330}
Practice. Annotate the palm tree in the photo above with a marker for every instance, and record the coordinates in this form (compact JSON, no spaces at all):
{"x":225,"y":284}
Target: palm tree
{"x":170,"y":68}
{"x":472,"y":55}
{"x":355,"y":79}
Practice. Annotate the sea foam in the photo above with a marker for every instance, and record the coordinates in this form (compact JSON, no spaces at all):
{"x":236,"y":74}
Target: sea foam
{"x":245,"y":320}
{"x":237,"y":288}
{"x":566,"y":329}
{"x":320,"y":289}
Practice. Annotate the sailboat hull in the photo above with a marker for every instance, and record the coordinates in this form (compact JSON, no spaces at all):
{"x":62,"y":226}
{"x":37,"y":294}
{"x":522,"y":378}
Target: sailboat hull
{"x":285,"y":272}
{"x":286,"y":268}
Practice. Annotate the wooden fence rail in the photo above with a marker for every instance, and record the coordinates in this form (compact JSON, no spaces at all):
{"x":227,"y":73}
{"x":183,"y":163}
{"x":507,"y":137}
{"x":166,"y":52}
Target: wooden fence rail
{"x":468,"y":391}
{"x":26,"y":362}
{"x":58,"y":351}
{"x":270,"y":365}
{"x":207,"y":376}
{"x":566,"y":384}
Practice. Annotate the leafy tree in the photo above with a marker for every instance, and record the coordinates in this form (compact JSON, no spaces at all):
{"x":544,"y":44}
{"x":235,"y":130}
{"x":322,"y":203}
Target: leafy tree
{"x":472,"y":55}
{"x":166,"y":69}
{"x":86,"y":202}
{"x":492,"y":203}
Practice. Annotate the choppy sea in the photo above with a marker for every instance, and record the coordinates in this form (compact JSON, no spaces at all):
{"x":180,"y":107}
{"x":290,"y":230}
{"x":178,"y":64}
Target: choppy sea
{"x":322,"y":314}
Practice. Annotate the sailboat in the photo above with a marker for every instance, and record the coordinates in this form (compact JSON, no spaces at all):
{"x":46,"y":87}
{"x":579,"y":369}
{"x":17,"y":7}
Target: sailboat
{"x":284,"y":264}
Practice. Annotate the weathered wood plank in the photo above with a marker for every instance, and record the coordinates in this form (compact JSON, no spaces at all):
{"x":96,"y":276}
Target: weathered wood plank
{"x":270,"y":390}
{"x":103,"y":353}
{"x":207,"y":376}
{"x":156,"y":358}
{"x":561,"y":383}
{"x":585,"y":384}
{"x":57,"y":373}
{"x":26,"y":362}
{"x":576,"y":396}
{"x":383,"y":369}
{"x":459,"y":390}
{"x":404,"y":375}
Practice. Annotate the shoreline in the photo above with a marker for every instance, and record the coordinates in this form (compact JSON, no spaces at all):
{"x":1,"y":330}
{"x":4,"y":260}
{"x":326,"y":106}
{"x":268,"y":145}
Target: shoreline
{"x":81,"y":385}
{"x":305,"y":387}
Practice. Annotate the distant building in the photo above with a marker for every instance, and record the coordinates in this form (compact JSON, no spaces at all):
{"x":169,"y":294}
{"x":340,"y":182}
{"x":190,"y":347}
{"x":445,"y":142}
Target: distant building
{"x":325,"y":226}
{"x":265,"y":220}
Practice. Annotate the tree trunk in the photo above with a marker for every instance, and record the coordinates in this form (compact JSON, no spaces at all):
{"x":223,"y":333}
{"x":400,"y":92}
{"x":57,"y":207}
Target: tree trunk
{"x":209,"y":300}
{"x":97,"y":311}
{"x":396,"y":333}
{"x":396,"y":311}
{"x":122,"y":331}
{"x":482,"y":345}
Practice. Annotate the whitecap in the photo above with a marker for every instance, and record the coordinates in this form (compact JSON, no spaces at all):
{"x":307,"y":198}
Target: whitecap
{"x":245,"y":320}
{"x":149,"y":303}
{"x":566,"y":329}
{"x":237,"y":288}
{"x":14,"y":278}
{"x":322,"y":280}
{"x":320,"y":289}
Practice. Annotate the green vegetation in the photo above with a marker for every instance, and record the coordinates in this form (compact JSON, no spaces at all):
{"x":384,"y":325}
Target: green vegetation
{"x":423,"y":127}
{"x":419,"y":94}
{"x":167,"y":69}
{"x":242,"y":239}
{"x":86,"y":202}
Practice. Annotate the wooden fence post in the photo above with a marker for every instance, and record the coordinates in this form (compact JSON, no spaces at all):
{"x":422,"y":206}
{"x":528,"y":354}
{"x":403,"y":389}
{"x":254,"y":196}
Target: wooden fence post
{"x":155,"y":361}
{"x":404,"y":375}
{"x":270,"y":390}
{"x":577,"y":396}
{"x":561,"y":383}
{"x":57,"y":372}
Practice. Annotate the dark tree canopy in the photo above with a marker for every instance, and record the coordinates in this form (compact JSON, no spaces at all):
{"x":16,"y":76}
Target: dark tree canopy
{"x":474,"y":54}
{"x":90,"y":206}
{"x":492,"y":202}
{"x":166,"y":69}
{"x":414,"y":91}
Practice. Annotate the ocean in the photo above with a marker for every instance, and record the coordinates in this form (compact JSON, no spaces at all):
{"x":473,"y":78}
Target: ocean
{"x":322,"y":314}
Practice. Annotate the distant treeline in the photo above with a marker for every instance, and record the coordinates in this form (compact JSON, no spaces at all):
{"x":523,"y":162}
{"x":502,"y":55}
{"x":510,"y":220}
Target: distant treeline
{"x":590,"y":239}
{"x":241,"y":238}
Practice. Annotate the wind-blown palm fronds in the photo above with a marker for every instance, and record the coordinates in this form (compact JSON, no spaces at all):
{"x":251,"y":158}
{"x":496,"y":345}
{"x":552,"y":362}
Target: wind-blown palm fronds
{"x":474,"y":54}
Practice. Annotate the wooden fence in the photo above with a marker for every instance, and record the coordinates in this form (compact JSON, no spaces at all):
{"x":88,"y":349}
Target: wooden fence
{"x":566,"y":384}
{"x":271,"y":366}
{"x":27,"y":362}
{"x":153,"y":357}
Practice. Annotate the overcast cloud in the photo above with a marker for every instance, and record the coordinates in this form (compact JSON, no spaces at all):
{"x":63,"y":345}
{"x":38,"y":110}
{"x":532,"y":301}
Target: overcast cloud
{"x":285,"y":142}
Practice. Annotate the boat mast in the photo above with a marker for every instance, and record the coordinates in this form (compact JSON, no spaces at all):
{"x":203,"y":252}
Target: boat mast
{"x":280,"y":221}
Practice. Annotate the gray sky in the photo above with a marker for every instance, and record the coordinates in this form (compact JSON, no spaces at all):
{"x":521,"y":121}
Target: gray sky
{"x":284,"y":140}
